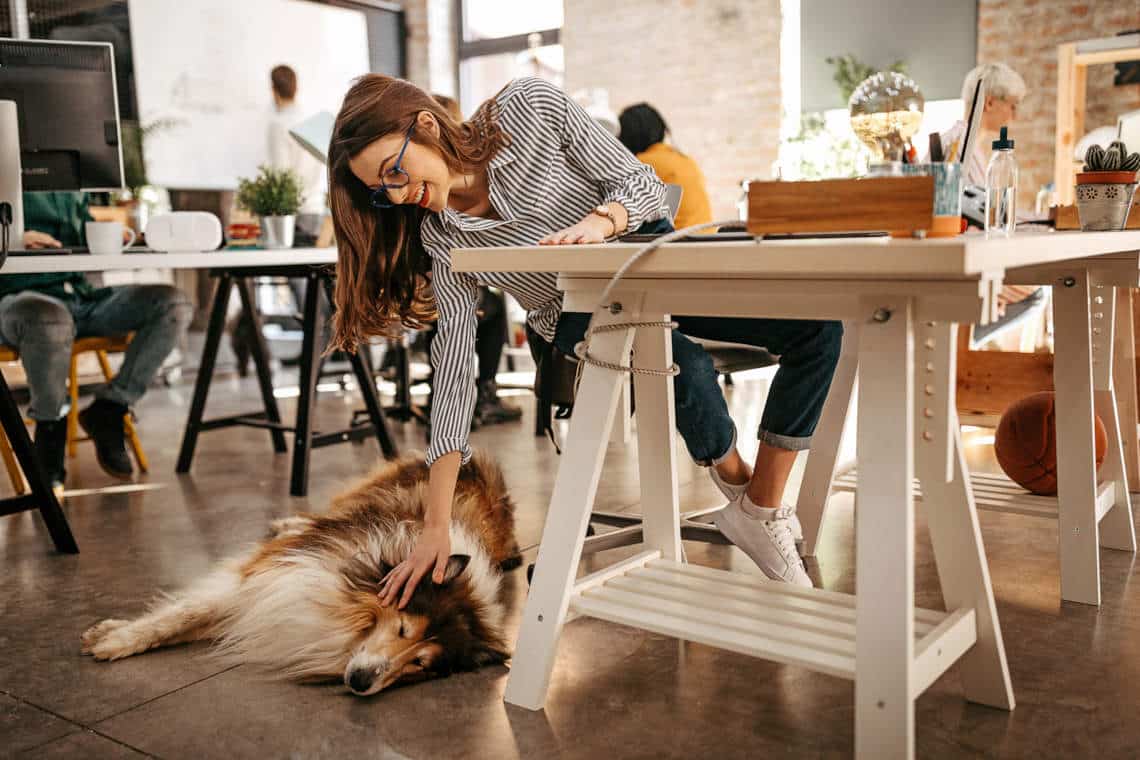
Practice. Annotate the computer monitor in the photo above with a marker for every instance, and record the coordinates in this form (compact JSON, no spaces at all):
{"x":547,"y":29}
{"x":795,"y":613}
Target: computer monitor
{"x":68,"y":113}
{"x":59,"y":121}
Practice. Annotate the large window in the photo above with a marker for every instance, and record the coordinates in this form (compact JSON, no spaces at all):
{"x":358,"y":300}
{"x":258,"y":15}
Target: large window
{"x":503,"y":39}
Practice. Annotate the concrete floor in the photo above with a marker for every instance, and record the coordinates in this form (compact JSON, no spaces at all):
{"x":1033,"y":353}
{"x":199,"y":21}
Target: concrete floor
{"x":616,"y":692}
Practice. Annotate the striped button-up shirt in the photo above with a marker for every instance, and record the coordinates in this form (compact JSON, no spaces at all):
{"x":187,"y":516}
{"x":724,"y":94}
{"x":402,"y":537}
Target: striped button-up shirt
{"x":560,"y":164}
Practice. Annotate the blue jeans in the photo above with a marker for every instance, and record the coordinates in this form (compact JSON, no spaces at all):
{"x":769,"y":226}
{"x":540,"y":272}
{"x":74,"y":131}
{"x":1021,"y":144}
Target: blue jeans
{"x":42,"y":329}
{"x":808,"y":351}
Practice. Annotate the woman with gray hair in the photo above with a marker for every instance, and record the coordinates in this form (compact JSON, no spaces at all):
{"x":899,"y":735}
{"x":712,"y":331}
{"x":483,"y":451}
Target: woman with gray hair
{"x":1004,"y":91}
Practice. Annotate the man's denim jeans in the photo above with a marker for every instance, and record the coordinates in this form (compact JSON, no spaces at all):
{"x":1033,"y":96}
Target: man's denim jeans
{"x":42,"y":329}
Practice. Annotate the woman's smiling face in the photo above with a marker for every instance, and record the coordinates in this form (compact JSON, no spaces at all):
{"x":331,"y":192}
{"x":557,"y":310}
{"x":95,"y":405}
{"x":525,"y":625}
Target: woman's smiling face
{"x":428,"y":176}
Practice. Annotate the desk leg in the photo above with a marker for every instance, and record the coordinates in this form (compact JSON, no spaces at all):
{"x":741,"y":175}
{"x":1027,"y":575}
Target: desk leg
{"x":362,"y":367}
{"x":1124,"y":385}
{"x":261,"y":363}
{"x":214,"y":332}
{"x":884,"y":535}
{"x":574,"y":489}
{"x":952,"y":517}
{"x":622,"y":431}
{"x":656,"y":439}
{"x":1076,"y":468}
{"x":42,"y":496}
{"x":1116,"y":529}
{"x":827,"y":443}
{"x":307,"y":380}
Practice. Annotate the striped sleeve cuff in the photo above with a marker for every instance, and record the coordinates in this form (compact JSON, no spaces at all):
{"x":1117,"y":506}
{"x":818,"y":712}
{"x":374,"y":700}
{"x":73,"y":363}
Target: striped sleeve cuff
{"x":443,"y":446}
{"x":646,"y":208}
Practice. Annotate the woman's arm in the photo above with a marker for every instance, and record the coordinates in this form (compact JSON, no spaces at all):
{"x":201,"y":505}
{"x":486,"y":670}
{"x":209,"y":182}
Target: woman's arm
{"x":433,"y":547}
{"x":453,"y":404}
{"x":623,"y":180}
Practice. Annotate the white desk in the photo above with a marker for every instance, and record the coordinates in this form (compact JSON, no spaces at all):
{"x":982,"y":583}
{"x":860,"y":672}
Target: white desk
{"x":901,"y":300}
{"x":83,"y":262}
{"x":1094,"y":369}
{"x":234,"y":267}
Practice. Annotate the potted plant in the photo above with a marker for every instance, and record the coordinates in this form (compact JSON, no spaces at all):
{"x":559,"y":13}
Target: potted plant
{"x":274,"y":196}
{"x":1106,"y":186}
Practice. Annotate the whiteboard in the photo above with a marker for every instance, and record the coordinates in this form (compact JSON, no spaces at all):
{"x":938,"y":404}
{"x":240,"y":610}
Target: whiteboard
{"x":205,"y":65}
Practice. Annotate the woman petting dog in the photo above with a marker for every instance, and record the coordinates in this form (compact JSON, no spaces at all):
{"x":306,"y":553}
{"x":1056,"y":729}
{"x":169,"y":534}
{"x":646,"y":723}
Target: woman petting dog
{"x":408,"y":184}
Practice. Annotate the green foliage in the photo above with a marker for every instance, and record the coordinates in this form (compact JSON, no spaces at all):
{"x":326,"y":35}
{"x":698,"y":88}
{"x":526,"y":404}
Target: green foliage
{"x":274,"y":192}
{"x":825,"y":154}
{"x":850,"y":72}
{"x":134,"y":136}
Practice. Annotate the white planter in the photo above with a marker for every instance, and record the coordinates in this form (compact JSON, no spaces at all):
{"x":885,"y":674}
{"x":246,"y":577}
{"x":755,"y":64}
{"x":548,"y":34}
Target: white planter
{"x":277,"y":231}
{"x":1104,"y":206}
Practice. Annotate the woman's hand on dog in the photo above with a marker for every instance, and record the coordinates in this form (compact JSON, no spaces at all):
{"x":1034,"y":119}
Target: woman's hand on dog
{"x":430,"y":555}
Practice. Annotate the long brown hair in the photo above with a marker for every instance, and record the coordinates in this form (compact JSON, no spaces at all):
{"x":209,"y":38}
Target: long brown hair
{"x":381,"y":283}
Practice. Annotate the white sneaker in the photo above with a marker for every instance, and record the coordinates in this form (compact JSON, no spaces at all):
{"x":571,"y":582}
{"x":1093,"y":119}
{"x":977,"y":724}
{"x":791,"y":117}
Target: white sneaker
{"x":733,"y":491}
{"x":767,"y":539}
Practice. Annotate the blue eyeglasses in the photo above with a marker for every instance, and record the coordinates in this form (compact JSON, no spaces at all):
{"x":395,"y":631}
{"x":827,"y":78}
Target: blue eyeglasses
{"x":394,"y":178}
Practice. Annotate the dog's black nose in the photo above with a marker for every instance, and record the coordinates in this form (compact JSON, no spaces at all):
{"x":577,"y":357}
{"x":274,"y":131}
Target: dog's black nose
{"x":360,"y":680}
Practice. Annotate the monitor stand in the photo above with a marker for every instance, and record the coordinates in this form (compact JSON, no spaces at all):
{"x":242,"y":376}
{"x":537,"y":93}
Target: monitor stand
{"x":11,"y":173}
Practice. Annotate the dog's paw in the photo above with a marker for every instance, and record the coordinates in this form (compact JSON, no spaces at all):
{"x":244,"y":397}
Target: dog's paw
{"x":97,"y":632}
{"x":107,"y":640}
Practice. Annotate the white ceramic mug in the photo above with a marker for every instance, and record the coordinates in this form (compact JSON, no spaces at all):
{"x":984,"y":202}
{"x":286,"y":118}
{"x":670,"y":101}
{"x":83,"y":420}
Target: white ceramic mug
{"x":107,"y":237}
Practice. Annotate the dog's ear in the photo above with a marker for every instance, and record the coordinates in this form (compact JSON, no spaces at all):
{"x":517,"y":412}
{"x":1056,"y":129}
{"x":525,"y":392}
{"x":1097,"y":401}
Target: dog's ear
{"x":456,"y":564}
{"x":384,"y":568}
{"x":490,"y":655}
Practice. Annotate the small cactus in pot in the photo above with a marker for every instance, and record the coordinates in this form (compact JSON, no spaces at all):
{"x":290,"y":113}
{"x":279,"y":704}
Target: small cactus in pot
{"x":1106,"y":186}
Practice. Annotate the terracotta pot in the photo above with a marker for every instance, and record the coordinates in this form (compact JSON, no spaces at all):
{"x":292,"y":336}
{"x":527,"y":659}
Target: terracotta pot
{"x":1106,"y":178}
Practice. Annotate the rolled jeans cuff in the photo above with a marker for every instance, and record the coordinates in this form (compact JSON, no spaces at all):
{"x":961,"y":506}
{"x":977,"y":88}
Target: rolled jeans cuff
{"x":717,"y":460}
{"x":786,"y":442}
{"x":115,"y":394}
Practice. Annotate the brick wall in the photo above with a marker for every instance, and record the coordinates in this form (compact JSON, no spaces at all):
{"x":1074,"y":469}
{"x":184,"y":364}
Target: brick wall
{"x":711,"y":67}
{"x":430,"y":45}
{"x":1025,"y":34}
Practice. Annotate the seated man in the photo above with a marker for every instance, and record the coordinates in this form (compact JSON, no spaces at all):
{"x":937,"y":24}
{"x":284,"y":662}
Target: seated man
{"x":41,"y":314}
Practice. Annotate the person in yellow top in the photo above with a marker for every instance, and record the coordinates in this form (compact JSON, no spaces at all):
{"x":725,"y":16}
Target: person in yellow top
{"x":643,"y":131}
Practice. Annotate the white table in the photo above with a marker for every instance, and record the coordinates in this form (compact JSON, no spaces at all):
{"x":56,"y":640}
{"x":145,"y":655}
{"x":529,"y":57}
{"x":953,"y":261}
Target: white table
{"x":83,"y":262}
{"x":235,"y":267}
{"x":901,"y":300}
{"x":41,"y":496}
{"x":1094,"y":369}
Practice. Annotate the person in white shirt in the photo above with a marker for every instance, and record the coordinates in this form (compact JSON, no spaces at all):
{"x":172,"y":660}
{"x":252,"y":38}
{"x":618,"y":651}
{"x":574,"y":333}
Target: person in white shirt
{"x":287,"y":153}
{"x":1004,"y":91}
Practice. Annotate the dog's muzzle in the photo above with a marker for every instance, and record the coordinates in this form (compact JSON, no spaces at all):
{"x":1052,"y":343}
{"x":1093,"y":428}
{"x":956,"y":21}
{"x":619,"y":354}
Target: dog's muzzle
{"x":361,"y":680}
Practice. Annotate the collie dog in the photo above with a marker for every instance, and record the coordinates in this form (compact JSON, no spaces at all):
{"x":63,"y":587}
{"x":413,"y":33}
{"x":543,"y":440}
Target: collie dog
{"x":303,"y":603}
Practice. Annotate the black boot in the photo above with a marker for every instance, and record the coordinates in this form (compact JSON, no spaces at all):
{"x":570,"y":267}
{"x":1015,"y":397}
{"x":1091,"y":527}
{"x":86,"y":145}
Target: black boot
{"x":490,"y":409}
{"x":51,"y":450}
{"x":103,"y":421}
{"x":241,"y":340}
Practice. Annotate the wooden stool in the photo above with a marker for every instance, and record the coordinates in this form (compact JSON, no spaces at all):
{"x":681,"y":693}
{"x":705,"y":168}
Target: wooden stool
{"x":101,"y":345}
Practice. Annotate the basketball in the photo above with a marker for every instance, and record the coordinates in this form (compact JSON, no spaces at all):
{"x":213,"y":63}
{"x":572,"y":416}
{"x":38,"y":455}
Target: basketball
{"x":1026,"y":443}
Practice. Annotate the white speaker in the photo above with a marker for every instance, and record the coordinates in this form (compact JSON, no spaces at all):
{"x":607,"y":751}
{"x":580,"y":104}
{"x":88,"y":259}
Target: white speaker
{"x":184,"y":231}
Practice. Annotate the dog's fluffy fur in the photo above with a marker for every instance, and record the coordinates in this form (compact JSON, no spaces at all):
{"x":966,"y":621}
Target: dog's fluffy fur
{"x":303,"y":603}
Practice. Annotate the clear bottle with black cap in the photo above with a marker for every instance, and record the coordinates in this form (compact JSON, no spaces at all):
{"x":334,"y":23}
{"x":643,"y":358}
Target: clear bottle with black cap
{"x":1001,"y":189}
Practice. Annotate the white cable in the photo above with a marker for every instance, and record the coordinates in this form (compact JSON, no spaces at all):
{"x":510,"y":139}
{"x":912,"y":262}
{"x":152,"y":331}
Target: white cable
{"x":582,"y":349}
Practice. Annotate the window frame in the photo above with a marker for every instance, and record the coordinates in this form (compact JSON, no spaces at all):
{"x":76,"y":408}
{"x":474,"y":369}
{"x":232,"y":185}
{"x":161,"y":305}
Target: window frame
{"x":515,"y":43}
